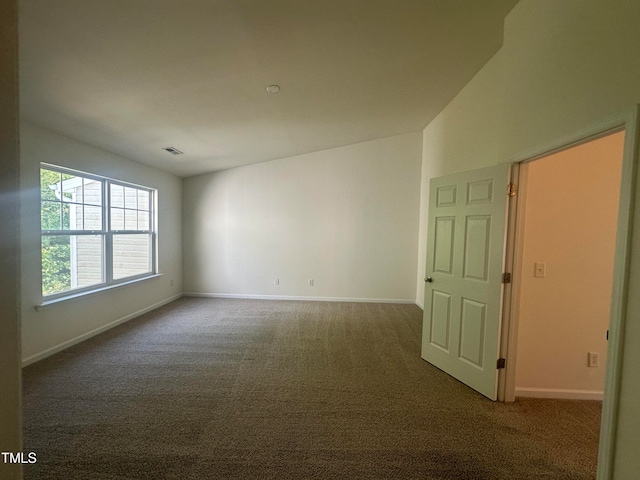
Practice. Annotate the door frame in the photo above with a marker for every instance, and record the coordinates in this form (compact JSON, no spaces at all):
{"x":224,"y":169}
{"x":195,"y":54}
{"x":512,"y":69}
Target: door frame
{"x":629,"y":121}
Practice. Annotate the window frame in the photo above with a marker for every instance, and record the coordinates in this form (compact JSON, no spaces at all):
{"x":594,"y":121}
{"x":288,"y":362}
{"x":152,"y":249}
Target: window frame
{"x":106,"y":232}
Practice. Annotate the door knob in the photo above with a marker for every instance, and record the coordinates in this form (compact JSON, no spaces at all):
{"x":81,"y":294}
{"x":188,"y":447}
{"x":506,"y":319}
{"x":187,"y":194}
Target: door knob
{"x":428,"y":279}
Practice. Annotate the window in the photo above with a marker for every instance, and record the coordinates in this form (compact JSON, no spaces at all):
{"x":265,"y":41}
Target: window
{"x":96,"y":232}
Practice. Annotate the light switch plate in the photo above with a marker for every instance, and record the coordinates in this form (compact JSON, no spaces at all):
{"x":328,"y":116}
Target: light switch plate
{"x":539,"y":270}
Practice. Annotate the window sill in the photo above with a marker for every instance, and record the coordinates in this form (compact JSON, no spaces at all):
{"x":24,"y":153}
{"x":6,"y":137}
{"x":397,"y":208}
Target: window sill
{"x":72,"y":297}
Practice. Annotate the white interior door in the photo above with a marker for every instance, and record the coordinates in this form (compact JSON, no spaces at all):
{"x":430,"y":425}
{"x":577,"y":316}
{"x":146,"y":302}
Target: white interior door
{"x":465,"y":257}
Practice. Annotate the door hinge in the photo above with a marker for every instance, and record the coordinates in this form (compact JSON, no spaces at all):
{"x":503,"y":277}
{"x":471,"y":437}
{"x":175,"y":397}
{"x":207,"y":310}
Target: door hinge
{"x":512,"y":189}
{"x":506,"y":278}
{"x":502,"y":363}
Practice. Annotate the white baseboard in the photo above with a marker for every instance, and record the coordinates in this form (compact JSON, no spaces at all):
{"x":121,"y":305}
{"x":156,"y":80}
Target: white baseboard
{"x":565,"y":394}
{"x":58,"y":348}
{"x":293,"y":297}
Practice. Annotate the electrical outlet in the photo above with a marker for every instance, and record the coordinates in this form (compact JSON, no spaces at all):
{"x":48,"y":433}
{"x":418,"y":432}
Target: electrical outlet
{"x":311,"y":282}
{"x":171,"y":282}
{"x":593,"y":359}
{"x":276,"y":281}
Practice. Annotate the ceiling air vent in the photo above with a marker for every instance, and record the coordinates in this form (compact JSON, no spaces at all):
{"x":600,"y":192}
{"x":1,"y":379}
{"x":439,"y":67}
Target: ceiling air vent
{"x":172,"y":150}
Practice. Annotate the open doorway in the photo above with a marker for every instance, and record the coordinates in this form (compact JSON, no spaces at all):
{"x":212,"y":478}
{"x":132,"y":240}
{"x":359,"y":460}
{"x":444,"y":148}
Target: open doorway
{"x":626,"y":125}
{"x":570,"y":215}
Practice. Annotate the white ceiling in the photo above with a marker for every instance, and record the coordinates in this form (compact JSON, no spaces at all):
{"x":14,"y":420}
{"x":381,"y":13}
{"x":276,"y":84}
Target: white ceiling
{"x":133,"y":76}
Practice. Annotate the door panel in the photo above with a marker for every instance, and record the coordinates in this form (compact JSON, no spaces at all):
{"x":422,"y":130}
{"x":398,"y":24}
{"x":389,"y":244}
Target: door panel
{"x":480,"y":192}
{"x":472,"y":332}
{"x":446,"y":196}
{"x":441,"y":313}
{"x":445,"y":230}
{"x":476,"y":247}
{"x":465,"y":253}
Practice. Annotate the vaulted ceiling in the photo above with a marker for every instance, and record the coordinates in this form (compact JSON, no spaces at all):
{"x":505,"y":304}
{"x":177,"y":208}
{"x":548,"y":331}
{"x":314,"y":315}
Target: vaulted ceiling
{"x":134,"y":76}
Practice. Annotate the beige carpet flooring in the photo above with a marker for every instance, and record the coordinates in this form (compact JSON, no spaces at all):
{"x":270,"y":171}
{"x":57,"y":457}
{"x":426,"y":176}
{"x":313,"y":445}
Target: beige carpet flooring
{"x":252,"y":389}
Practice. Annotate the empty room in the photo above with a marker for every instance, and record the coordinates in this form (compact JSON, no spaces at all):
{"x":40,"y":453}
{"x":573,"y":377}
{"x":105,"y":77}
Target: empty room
{"x":281,"y":239}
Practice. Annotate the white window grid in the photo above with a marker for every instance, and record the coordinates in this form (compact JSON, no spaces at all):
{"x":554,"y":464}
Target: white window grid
{"x":106,"y":231}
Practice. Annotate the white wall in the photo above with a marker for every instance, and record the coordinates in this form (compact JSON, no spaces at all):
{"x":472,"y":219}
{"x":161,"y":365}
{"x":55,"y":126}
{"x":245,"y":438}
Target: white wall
{"x":10,"y":375}
{"x":346,"y":217}
{"x":564,"y":65}
{"x":570,"y":226}
{"x":45,"y":331}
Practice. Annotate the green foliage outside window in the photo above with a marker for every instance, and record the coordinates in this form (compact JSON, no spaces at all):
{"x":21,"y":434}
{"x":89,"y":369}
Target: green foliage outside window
{"x":56,"y":250}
